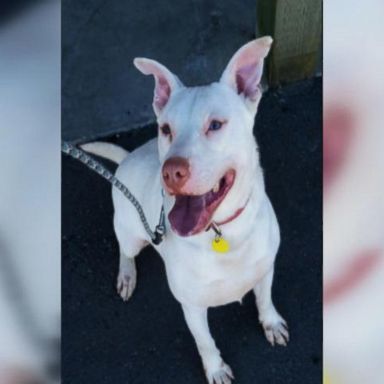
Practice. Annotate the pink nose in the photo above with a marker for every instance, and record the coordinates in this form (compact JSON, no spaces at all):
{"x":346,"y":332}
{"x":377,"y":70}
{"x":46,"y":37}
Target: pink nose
{"x":175,"y":173}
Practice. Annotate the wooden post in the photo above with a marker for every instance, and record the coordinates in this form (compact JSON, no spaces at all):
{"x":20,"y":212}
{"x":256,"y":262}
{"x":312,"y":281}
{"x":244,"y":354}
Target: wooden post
{"x":296,"y":26}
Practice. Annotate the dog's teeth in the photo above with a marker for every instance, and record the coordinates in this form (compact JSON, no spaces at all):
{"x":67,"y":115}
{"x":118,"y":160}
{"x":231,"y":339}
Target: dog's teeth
{"x":216,"y":188}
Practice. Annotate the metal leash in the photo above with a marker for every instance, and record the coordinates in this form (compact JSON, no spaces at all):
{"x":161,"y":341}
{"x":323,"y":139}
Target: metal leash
{"x":78,"y":154}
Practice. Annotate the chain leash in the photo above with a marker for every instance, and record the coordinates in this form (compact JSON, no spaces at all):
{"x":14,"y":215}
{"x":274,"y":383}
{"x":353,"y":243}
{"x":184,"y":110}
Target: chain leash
{"x":78,"y":154}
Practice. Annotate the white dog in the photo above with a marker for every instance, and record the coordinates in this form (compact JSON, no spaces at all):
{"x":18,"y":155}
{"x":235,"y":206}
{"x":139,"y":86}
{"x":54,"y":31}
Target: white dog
{"x":206,"y":162}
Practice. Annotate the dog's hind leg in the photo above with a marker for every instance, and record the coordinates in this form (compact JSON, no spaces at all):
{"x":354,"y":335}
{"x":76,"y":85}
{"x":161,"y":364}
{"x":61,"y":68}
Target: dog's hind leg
{"x":275,"y":327}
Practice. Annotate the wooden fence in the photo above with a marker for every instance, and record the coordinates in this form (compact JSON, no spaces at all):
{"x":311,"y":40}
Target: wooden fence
{"x":296,"y":26}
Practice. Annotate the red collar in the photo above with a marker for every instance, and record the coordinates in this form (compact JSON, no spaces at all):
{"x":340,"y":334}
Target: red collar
{"x":233,"y":217}
{"x":230,"y":218}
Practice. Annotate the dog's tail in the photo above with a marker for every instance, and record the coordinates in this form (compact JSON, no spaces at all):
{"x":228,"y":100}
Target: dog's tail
{"x":107,"y":150}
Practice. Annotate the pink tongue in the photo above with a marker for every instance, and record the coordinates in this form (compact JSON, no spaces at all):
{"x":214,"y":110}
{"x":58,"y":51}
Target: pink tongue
{"x":187,"y":213}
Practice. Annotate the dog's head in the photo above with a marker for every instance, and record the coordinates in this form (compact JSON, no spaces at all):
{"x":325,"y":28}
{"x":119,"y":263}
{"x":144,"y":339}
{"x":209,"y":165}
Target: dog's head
{"x":206,"y":145}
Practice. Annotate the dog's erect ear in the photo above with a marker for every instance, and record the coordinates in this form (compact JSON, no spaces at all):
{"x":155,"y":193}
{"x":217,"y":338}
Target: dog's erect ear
{"x":243,"y":72}
{"x":165,"y":81}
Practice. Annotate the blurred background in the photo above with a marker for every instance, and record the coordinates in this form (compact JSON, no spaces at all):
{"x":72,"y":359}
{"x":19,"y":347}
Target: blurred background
{"x":353,"y":213}
{"x":29,"y":192}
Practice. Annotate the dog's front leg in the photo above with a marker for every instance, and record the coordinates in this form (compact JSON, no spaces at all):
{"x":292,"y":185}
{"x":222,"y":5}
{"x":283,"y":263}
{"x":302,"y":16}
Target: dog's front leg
{"x":275,"y":327}
{"x":216,"y":370}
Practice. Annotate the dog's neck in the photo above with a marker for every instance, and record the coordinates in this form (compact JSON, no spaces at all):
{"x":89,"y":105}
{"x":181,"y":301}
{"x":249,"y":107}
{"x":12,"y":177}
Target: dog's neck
{"x":250,"y":184}
{"x":250,"y":203}
{"x":232,"y":217}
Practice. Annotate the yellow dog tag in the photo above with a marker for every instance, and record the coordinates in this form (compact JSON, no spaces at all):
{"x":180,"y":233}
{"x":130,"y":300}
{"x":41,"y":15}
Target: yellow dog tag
{"x":220,"y":245}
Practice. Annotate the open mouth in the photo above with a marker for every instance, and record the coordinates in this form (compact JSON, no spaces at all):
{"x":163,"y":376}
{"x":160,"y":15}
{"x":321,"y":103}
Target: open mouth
{"x":191,"y":214}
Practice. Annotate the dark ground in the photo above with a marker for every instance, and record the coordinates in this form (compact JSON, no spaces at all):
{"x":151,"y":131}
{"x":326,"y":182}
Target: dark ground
{"x":194,"y":39}
{"x":146,"y":340}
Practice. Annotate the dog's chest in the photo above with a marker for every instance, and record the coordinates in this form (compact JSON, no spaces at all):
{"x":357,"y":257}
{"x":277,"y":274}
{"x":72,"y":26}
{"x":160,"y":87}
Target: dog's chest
{"x":205,"y":278}
{"x":198,"y":275}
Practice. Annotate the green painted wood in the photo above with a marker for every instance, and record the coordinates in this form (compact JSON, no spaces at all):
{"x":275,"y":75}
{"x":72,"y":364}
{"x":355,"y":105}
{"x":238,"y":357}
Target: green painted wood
{"x":296,"y":26}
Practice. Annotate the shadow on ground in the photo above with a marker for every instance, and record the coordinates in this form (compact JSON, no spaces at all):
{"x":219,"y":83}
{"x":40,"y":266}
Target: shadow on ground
{"x":146,"y":340}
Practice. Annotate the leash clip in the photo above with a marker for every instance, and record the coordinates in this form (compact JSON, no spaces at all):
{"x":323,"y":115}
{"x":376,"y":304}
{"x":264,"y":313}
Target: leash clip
{"x":216,"y":229}
{"x":160,"y":228}
{"x":158,"y":236}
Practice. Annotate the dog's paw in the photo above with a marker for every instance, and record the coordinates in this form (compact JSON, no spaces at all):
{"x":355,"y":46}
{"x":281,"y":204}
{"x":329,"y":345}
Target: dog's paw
{"x":223,"y":375}
{"x":126,"y":284}
{"x":276,"y":330}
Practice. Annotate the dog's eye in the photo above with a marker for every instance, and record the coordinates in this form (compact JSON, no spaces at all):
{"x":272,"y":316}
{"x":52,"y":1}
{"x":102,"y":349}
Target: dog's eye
{"x":165,"y":129}
{"x":215,"y":125}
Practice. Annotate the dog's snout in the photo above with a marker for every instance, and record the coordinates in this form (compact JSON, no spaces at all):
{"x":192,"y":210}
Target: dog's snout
{"x":175,"y":173}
